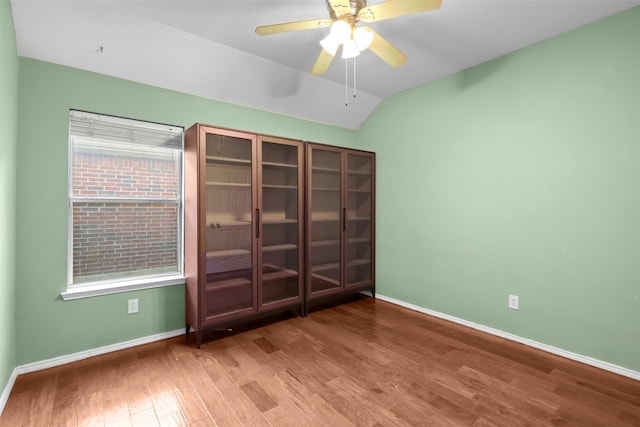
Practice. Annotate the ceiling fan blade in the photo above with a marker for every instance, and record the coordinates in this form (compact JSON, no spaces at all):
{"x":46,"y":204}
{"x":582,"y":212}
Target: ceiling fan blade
{"x":322,"y":63}
{"x":394,"y":8}
{"x":386,"y":51}
{"x":340,"y":7}
{"x":293,"y":26}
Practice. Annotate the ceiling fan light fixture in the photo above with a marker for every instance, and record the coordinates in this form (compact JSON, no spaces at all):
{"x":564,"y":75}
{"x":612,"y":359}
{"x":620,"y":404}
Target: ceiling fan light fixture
{"x":340,"y":31}
{"x":350,"y":50}
{"x":330,"y":45}
{"x":362,"y":38}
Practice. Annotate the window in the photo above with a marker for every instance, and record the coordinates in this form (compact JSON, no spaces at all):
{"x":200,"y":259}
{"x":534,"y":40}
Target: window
{"x":125,"y":205}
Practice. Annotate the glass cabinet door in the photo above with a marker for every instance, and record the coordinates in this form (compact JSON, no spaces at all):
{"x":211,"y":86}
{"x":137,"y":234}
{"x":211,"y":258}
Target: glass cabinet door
{"x":280,"y":197}
{"x":228,"y":231}
{"x":359,"y":219}
{"x":325,"y":220}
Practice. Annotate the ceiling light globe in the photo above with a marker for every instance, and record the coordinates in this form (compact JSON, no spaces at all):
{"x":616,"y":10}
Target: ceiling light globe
{"x":340,"y":31}
{"x":330,"y":45}
{"x":350,"y":50}
{"x":363,"y":38}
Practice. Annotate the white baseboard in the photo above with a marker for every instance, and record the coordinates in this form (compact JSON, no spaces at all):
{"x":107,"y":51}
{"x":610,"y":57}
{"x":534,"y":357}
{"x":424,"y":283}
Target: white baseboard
{"x":531,"y":343}
{"x":62,"y":360}
{"x":4,"y":397}
{"x":57,"y":361}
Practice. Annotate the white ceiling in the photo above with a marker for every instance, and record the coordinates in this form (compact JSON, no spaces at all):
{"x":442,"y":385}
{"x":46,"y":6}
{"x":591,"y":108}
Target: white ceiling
{"x":209,"y":47}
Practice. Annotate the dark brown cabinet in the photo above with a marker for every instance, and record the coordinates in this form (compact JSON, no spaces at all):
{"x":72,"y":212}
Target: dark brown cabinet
{"x":281,"y":237}
{"x":243,"y":226}
{"x":340,"y":221}
{"x":261,"y":236}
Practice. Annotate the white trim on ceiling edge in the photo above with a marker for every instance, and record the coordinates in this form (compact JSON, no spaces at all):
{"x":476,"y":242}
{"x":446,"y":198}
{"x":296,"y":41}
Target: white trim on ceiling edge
{"x":62,"y":360}
{"x":531,"y":343}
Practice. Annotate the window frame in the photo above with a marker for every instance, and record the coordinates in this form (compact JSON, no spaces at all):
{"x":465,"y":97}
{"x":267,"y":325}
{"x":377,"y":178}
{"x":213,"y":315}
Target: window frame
{"x":138,"y":281}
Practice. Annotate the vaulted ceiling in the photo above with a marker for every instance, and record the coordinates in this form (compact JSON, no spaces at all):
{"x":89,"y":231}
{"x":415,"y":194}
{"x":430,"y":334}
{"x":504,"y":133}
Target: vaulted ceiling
{"x":210,"y":49}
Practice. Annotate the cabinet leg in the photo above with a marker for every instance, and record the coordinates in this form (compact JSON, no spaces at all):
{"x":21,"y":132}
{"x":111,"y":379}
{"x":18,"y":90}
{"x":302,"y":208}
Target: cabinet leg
{"x":198,"y":339}
{"x":186,"y":331}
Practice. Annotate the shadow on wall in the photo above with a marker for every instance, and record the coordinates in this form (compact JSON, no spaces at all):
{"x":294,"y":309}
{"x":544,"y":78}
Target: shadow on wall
{"x":428,"y":38}
{"x":283,"y":83}
{"x":174,"y":308}
{"x":474,"y":75}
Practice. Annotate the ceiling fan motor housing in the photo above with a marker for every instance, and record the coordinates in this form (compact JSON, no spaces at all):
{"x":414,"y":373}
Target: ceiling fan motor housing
{"x":356,"y":5}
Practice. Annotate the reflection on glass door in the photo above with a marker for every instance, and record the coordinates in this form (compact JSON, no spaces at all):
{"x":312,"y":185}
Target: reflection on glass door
{"x":325,"y":220}
{"x":359,"y":219}
{"x":228,"y":232}
{"x":280,"y":222}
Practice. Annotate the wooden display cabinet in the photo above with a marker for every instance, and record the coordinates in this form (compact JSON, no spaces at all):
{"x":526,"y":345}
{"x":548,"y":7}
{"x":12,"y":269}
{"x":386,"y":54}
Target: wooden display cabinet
{"x":340,"y":228}
{"x":243,"y":227}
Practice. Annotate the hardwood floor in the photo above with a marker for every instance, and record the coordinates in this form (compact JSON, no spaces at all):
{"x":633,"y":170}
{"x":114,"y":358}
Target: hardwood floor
{"x":362,"y":363}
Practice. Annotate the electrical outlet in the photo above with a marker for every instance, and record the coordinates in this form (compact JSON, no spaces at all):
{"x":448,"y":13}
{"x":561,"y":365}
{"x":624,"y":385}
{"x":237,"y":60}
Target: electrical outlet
{"x":514,"y":302}
{"x":132,"y":306}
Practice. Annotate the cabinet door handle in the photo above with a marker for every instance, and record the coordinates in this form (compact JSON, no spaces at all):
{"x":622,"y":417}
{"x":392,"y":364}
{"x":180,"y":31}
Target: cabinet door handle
{"x":257,"y":223}
{"x":344,"y":219}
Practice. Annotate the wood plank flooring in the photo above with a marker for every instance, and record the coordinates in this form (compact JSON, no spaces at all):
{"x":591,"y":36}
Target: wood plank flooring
{"x":365,"y":363}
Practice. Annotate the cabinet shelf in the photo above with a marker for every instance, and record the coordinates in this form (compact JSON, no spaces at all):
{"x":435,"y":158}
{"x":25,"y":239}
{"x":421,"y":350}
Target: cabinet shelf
{"x":359,"y":173}
{"x":326,"y":279}
{"x":227,"y":160}
{"x":325,"y":267}
{"x":282,"y":247}
{"x":358,"y":261}
{"x":228,"y":253}
{"x":336,"y":265}
{"x":325,"y":169}
{"x":224,"y":224}
{"x":279,"y":274}
{"x":359,"y":191}
{"x":320,"y":243}
{"x":325,"y":189}
{"x":356,"y":240}
{"x":280,"y":165}
{"x":278,"y":221}
{"x":358,"y":218}
{"x":227,"y":184}
{"x":325,"y":218}
{"x":283,"y":187}
{"x":219,"y":285}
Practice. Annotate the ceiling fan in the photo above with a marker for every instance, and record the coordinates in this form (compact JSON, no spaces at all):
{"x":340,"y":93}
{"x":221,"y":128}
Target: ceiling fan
{"x":344,"y":16}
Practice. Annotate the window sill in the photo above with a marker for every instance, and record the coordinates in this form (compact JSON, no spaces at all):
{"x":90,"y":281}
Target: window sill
{"x":118,"y":287}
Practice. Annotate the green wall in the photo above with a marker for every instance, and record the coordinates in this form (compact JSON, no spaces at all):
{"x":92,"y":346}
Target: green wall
{"x":8,"y":143}
{"x":517,"y":176}
{"x":47,"y":326}
{"x":522,"y":176}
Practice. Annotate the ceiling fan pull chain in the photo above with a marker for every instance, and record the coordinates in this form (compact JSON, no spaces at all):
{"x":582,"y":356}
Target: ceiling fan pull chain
{"x":354,"y":76}
{"x":346,"y":83}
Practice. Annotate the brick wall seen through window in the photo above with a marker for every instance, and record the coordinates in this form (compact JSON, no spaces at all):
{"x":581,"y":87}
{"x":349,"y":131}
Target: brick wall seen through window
{"x":125,"y":201}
